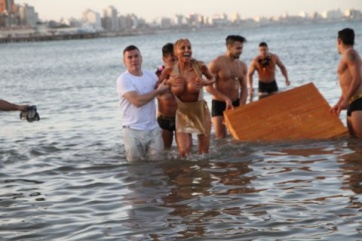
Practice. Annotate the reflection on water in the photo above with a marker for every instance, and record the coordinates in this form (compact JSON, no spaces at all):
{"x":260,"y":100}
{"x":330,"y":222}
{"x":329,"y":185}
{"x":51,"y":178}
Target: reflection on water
{"x":250,"y":191}
{"x":66,"y":176}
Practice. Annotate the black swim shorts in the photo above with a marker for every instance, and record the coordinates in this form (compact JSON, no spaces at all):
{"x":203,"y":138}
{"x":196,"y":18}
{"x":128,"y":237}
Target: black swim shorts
{"x":167,"y":123}
{"x":268,"y":87}
{"x":218,"y":107}
{"x":354,"y":106}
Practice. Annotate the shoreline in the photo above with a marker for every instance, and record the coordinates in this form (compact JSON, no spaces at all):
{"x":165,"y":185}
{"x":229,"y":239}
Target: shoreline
{"x":31,"y":35}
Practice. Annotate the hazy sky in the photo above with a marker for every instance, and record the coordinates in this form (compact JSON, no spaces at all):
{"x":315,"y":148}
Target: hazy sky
{"x":151,"y":9}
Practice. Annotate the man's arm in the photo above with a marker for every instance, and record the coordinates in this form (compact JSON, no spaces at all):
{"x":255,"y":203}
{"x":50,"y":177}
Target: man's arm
{"x":140,"y":100}
{"x":336,"y":108}
{"x":354,"y":66}
{"x":243,"y":84}
{"x":7,"y":106}
{"x":214,"y":92}
{"x":251,"y":71}
{"x":283,"y":69}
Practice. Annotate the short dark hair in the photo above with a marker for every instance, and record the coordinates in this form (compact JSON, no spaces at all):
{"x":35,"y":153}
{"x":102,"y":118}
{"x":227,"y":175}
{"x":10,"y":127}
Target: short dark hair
{"x":347,"y":36}
{"x":167,"y":49}
{"x":231,"y":39}
{"x":263,"y":44}
{"x":130,"y":48}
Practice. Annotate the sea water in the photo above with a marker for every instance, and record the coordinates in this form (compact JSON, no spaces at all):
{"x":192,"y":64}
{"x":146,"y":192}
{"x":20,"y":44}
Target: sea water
{"x":66,"y":177}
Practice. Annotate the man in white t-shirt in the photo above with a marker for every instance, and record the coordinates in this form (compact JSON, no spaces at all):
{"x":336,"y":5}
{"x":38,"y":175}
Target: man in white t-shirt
{"x":137,"y":91}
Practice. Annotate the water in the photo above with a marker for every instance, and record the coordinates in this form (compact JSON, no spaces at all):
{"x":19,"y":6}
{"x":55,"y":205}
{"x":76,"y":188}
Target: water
{"x":66,"y":176}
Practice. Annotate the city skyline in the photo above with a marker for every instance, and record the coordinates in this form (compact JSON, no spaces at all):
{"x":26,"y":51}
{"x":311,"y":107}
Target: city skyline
{"x":151,"y":10}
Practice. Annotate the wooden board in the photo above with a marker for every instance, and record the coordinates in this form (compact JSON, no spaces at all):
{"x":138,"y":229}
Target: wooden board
{"x":299,"y":113}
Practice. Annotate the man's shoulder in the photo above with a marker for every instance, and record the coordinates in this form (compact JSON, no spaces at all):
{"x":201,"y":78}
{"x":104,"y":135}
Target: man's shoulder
{"x":220,"y":58}
{"x":150,"y":74}
{"x":273,"y":56}
{"x":122,"y":75}
{"x":256,"y":58}
{"x":242,"y":63}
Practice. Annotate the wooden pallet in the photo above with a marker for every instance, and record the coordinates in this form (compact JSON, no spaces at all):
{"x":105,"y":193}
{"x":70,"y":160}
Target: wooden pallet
{"x":296,"y":114}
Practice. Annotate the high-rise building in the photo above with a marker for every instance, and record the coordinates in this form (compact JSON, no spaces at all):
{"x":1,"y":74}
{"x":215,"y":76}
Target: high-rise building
{"x":110,"y":19}
{"x":6,"y":5}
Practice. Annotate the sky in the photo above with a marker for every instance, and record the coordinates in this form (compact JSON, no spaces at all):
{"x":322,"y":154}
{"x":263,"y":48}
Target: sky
{"x":152,"y":9}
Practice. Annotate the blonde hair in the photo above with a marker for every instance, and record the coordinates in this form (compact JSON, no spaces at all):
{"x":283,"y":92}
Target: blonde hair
{"x":180,"y":42}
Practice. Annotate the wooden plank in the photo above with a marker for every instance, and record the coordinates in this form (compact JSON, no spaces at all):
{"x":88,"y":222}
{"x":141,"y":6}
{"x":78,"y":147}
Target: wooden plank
{"x":296,"y":114}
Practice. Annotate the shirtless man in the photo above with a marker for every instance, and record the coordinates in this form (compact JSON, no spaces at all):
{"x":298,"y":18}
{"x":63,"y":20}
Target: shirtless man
{"x":265,"y":64}
{"x":350,"y":79}
{"x":229,"y":89}
{"x":192,"y":115}
{"x":167,"y":104}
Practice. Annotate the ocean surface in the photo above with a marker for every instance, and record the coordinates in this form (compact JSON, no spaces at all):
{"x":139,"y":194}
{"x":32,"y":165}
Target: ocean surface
{"x":66,"y":177}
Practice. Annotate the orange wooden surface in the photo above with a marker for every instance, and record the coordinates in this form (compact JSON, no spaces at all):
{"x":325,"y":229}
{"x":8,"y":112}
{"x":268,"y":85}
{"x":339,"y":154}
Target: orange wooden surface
{"x":296,"y":114}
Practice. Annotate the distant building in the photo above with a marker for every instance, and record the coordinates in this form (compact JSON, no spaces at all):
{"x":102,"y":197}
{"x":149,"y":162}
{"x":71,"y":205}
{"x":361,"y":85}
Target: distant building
{"x":128,"y":22}
{"x":28,"y":16}
{"x":316,"y":16}
{"x":6,"y":5}
{"x":261,"y":20}
{"x":180,"y":21}
{"x":220,"y":20}
{"x":195,"y":20}
{"x":110,"y":19}
{"x":235,"y":18}
{"x":8,"y":16}
{"x":92,"y":19}
{"x":165,"y":23}
{"x":353,"y":14}
{"x":332,"y":14}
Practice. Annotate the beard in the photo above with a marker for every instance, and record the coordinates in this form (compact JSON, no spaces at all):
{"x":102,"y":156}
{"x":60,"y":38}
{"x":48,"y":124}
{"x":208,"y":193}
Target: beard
{"x":236,"y":56}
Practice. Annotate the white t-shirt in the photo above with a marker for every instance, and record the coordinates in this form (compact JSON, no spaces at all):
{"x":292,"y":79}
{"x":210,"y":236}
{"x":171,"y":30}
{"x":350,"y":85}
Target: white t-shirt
{"x":138,"y":118}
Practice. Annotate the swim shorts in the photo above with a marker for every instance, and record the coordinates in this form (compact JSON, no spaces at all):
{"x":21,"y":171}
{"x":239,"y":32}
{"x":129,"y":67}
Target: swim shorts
{"x":268,"y":87}
{"x":218,"y":107}
{"x":356,"y":105}
{"x":167,"y":123}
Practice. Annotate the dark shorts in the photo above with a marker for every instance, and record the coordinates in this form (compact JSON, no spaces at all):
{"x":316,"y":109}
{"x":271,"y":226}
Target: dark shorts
{"x":167,"y":123}
{"x":218,"y":107}
{"x":354,"y":106}
{"x":268,"y":87}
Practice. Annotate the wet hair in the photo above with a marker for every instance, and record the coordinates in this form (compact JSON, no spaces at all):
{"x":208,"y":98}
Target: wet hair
{"x":347,"y":36}
{"x":167,"y":49}
{"x":263,"y":44}
{"x":130,"y":48}
{"x":231,"y":39}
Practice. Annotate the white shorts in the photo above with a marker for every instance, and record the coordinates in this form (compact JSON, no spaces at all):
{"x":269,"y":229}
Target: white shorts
{"x":143,"y":145}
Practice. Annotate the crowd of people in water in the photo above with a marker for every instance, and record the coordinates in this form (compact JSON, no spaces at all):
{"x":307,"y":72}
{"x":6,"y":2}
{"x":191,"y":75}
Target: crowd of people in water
{"x":178,"y":85}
